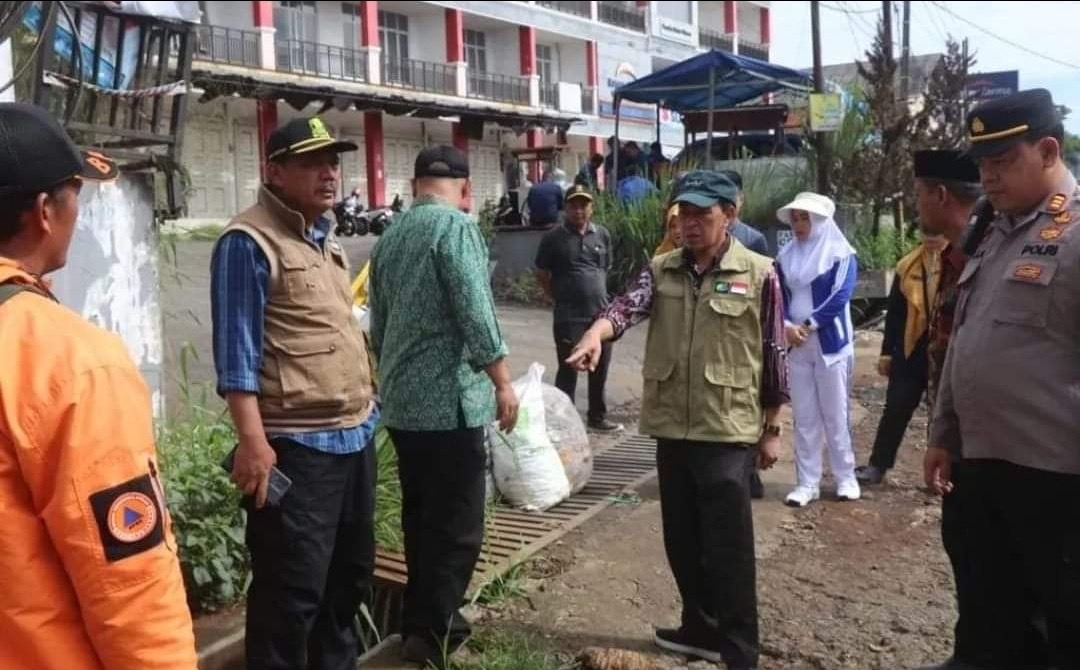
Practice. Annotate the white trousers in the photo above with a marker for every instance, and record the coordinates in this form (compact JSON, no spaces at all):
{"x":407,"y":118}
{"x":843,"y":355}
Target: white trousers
{"x":819,"y":403}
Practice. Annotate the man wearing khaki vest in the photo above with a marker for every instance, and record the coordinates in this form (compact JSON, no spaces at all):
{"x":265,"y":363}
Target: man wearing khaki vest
{"x":293,"y":366}
{"x":715,"y":380}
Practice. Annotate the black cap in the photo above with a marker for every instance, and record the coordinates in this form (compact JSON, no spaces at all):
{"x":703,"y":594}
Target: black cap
{"x":704,"y":188}
{"x":578,"y":191}
{"x":302,"y":136}
{"x":998,"y":124}
{"x":36,"y":154}
{"x":443,"y":161}
{"x":734,"y":177}
{"x":946,"y":164}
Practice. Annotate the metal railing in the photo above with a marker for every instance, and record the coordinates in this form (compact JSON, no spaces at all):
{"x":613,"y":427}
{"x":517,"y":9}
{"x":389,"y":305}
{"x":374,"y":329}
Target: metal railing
{"x":499,"y":87}
{"x":418,"y":75}
{"x":588,"y":101}
{"x":753,"y":49}
{"x":615,"y":14}
{"x":575,"y":8}
{"x":549,"y":94}
{"x":217,"y":44}
{"x":710,"y":39}
{"x":322,"y":60}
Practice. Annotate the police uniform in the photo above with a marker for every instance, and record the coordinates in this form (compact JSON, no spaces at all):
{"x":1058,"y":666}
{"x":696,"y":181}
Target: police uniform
{"x":1009,"y":401}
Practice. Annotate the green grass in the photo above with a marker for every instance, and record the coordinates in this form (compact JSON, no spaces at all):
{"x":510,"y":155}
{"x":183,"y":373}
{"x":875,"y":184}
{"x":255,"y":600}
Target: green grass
{"x":510,"y":650}
{"x":388,"y":534}
{"x":504,"y":587}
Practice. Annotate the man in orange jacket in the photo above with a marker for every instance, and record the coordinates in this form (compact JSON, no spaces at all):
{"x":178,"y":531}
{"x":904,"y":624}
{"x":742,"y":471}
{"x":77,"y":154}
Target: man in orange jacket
{"x":89,"y":577}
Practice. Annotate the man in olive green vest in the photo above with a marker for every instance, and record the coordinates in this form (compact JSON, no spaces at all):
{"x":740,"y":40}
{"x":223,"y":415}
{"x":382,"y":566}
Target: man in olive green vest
{"x":715,"y":380}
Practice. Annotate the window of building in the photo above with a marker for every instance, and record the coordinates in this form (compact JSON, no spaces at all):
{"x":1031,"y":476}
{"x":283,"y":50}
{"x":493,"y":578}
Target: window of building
{"x":296,"y":20}
{"x":394,"y":36}
{"x":676,"y":11}
{"x":350,"y":25}
{"x":476,"y":50}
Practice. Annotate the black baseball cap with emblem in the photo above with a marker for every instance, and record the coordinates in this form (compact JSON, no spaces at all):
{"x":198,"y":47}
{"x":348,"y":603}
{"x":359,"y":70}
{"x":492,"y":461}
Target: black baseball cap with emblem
{"x":302,"y":136}
{"x":37,"y":155}
{"x":946,"y":165}
{"x":704,"y":188}
{"x":441,"y":161}
{"x":997,"y":125}
{"x":578,"y":191}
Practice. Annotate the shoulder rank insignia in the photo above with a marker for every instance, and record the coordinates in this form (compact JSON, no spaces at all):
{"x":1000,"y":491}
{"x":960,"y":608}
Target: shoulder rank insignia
{"x":1050,"y":233}
{"x":1028,"y":271}
{"x":1062,"y":218}
{"x":1057,"y":202}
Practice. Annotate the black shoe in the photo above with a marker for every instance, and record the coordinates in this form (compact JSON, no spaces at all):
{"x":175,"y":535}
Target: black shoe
{"x":677,"y":641}
{"x":869,"y":474}
{"x":757,"y":488}
{"x":416,"y":649}
{"x":604,"y":426}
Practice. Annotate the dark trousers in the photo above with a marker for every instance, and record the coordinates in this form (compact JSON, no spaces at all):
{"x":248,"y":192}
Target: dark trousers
{"x":442,"y":517}
{"x":907,"y":384}
{"x":566,"y":336}
{"x":709,"y":539}
{"x":312,"y":559}
{"x":1022,"y":528}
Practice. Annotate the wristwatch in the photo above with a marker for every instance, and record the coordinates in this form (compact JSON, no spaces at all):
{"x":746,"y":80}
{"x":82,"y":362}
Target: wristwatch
{"x":772,"y":430}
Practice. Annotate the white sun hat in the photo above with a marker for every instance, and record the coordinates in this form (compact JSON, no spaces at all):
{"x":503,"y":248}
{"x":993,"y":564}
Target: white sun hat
{"x":807,"y":202}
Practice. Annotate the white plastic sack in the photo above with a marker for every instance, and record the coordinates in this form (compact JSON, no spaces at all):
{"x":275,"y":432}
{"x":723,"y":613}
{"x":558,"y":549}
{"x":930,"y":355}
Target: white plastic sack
{"x":567,"y":433}
{"x":527,"y":468}
{"x":363,"y":317}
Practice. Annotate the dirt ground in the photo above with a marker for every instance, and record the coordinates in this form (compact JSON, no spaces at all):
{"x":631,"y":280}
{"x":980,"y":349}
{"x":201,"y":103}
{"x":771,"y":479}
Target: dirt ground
{"x":862,"y":585}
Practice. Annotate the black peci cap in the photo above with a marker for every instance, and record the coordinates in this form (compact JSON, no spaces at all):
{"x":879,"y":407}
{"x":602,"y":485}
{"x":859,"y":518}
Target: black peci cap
{"x":302,"y":136}
{"x":442,"y":161}
{"x":945,"y":164}
{"x":36,"y":154}
{"x":996,"y":125}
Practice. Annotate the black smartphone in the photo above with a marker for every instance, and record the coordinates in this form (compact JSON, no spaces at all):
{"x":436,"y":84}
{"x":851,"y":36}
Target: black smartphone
{"x":279,"y":482}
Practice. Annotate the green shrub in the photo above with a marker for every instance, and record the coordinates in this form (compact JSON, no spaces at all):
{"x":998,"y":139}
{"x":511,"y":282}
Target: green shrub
{"x":636,"y":231}
{"x":205,"y":508}
{"x":884,"y":250}
{"x":523,"y":289}
{"x":387,"y":494}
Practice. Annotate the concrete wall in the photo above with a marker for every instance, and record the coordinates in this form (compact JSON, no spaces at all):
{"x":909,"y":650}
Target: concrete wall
{"x":749,"y":18}
{"x":112,"y":272}
{"x":427,"y":37}
{"x":503,"y":50}
{"x":711,"y":16}
{"x":515,"y":251}
{"x":572,"y":61}
{"x":230,"y":14}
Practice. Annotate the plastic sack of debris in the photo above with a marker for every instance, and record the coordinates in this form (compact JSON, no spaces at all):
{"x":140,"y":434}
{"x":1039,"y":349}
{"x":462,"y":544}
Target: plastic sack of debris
{"x":567,"y":432}
{"x":528,"y":471}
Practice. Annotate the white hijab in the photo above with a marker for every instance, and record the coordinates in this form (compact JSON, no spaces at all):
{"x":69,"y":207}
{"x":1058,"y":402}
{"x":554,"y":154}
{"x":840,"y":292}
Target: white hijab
{"x":803,"y":261}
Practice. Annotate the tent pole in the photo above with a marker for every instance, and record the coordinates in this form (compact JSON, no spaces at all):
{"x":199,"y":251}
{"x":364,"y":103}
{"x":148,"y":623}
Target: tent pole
{"x":709,"y":123}
{"x":658,"y":123}
{"x":615,"y":149}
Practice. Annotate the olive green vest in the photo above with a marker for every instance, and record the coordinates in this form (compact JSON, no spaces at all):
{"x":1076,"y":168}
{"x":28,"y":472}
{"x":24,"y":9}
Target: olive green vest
{"x":703,"y":357}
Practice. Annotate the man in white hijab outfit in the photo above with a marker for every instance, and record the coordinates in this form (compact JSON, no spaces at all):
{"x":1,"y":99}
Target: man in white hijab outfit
{"x":818,"y":272}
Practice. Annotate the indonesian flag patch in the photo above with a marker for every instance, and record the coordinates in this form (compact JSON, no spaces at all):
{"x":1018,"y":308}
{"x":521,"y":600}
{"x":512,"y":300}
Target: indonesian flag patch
{"x":739,"y":288}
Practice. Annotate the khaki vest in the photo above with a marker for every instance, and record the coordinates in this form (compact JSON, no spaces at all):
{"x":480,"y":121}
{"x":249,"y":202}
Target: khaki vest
{"x":703,"y":357}
{"x":315,"y":373}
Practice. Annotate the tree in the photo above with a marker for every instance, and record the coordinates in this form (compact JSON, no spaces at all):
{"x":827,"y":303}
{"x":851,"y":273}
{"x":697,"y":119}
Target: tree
{"x":940,"y":124}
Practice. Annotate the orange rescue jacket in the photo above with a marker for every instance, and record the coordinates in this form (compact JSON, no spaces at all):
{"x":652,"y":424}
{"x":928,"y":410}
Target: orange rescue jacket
{"x":89,"y":577}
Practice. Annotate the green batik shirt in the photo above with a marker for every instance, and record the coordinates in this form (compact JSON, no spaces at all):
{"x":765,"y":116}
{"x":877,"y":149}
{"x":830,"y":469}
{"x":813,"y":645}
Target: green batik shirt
{"x":433,"y":325}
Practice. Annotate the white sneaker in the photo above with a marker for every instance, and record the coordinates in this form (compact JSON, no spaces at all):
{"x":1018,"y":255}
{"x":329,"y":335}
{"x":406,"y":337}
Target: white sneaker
{"x":849,"y":490}
{"x":802,"y":496}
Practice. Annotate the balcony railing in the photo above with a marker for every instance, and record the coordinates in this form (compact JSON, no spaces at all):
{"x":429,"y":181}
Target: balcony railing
{"x":548,"y":94}
{"x":499,"y":87}
{"x":710,"y":39}
{"x":227,"y":45}
{"x":418,"y":75}
{"x":322,"y":60}
{"x":615,"y":14}
{"x":576,"y":8}
{"x":753,"y":49}
{"x":588,"y":101}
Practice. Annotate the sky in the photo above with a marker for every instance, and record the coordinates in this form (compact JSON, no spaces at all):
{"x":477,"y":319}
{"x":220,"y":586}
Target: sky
{"x":1045,"y":32}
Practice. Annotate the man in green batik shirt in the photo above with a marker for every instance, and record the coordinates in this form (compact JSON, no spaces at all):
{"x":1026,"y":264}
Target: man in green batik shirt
{"x":443,"y":377}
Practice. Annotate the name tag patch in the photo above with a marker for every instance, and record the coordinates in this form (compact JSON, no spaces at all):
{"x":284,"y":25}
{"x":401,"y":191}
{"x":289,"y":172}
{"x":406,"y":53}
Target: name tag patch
{"x":1039,"y":250}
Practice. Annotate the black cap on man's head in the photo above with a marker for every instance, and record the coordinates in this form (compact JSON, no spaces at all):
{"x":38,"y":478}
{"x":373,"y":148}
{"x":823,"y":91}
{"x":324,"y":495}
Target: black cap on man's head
{"x":303,"y":136}
{"x":996,"y":125}
{"x":441,"y":161}
{"x":945,"y":164}
{"x":704,"y":188}
{"x":734,"y":177}
{"x":578,"y":191}
{"x":36,"y":154}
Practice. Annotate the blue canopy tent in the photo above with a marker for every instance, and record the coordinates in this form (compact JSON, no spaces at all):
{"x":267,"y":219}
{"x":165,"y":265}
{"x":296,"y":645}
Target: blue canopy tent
{"x":707,"y":82}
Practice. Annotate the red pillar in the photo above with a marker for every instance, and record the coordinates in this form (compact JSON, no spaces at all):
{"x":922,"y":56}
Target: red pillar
{"x":766,"y":29}
{"x":592,"y":68}
{"x":455,"y":36}
{"x":729,"y":17}
{"x":262,"y":13}
{"x":461,"y":140}
{"x":527,"y":44}
{"x":369,"y":23}
{"x":373,"y":152}
{"x":266,"y":118}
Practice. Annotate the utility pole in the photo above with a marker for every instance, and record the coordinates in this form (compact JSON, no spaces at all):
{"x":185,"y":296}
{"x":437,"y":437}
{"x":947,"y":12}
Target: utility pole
{"x":819,"y":87}
{"x":905,"y":54}
{"x":886,"y":18}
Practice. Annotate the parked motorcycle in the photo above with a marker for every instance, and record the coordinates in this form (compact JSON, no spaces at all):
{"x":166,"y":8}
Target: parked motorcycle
{"x":351,"y":218}
{"x":381,"y":217}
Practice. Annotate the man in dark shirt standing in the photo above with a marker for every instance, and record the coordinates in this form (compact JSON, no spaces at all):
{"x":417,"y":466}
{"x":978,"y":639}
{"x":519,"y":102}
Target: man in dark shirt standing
{"x":572,"y":265}
{"x":544,"y":202}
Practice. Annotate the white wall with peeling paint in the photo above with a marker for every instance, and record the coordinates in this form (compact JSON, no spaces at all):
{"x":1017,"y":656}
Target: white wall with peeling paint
{"x":111,"y":277}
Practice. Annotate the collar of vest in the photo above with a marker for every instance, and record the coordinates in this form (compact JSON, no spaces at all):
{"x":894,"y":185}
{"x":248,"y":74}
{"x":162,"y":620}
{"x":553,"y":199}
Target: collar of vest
{"x":282,"y":213}
{"x":732,"y":259}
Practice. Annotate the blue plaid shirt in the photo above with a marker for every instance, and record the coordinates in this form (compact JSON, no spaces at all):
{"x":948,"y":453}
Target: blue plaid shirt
{"x":239,"y":286}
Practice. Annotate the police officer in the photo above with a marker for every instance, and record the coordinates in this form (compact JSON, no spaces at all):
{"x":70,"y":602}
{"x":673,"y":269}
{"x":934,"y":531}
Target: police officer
{"x":1010,"y":389}
{"x":715,"y":379}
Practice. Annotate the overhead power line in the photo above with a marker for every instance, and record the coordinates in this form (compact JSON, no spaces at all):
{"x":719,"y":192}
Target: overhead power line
{"x":1005,"y":40}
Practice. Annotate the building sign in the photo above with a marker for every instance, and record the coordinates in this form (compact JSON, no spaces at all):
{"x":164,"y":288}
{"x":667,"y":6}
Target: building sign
{"x":989,"y":85}
{"x":675,"y":30}
{"x":826,"y":112}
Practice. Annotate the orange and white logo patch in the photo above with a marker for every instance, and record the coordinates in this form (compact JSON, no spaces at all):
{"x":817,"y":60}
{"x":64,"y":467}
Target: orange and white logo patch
{"x":132,"y":517}
{"x":1028,"y":271}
